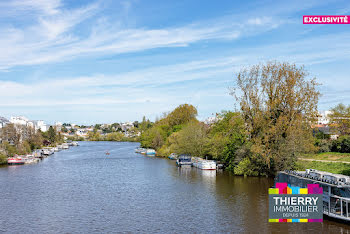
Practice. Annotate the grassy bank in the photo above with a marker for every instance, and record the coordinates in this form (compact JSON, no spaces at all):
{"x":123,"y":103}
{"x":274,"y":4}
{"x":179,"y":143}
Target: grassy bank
{"x":338,"y":168}
{"x":330,"y":156}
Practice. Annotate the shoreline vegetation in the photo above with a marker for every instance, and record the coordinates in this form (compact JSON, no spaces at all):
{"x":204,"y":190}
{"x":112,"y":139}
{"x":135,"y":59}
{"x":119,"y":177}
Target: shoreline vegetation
{"x":273,"y":127}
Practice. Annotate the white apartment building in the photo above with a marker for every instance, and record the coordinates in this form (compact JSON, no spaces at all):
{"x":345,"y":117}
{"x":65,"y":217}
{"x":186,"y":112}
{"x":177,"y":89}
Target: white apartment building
{"x":58,"y":126}
{"x":324,"y":117}
{"x":19,"y":120}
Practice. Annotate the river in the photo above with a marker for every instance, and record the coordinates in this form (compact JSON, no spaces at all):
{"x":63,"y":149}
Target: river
{"x":83,"y":190}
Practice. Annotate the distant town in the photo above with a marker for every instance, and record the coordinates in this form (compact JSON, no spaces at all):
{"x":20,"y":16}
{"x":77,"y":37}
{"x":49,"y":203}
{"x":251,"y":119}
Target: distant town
{"x":131,"y":129}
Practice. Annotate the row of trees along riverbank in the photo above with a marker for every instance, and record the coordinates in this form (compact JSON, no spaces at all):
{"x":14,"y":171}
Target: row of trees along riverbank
{"x":278,"y":104}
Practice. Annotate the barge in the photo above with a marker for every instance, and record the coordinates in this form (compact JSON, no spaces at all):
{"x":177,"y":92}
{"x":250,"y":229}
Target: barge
{"x":204,"y":164}
{"x":336,"y":189}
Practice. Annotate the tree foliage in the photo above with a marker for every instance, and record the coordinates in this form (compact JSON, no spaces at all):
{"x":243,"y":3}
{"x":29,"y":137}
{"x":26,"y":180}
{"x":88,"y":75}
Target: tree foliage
{"x":341,"y":119}
{"x":277,"y":103}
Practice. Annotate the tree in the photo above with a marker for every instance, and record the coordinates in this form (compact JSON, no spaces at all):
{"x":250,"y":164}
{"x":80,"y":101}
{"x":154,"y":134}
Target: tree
{"x":51,"y":135}
{"x":10,"y":134}
{"x":192,"y":139}
{"x":182,"y":114}
{"x":340,"y":119}
{"x":277,"y":103}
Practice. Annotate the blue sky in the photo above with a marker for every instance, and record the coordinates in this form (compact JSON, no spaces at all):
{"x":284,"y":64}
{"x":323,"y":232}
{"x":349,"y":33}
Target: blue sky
{"x":110,"y":61}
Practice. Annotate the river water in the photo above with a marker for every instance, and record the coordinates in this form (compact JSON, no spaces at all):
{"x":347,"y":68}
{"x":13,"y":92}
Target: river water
{"x":82,"y":190}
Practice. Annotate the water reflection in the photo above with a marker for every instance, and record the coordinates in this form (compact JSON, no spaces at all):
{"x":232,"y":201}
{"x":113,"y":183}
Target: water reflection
{"x":82,"y":190}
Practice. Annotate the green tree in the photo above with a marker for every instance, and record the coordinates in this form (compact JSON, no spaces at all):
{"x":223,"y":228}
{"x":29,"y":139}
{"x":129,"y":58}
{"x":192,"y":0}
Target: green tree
{"x":51,"y":135}
{"x":181,"y":115}
{"x":192,"y":139}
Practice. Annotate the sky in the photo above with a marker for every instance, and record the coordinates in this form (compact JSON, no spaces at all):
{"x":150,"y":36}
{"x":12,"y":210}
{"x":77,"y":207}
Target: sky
{"x":109,"y":61}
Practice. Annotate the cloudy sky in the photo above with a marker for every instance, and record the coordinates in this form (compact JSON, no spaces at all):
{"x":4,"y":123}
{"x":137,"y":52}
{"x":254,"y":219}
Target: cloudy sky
{"x":110,"y":61}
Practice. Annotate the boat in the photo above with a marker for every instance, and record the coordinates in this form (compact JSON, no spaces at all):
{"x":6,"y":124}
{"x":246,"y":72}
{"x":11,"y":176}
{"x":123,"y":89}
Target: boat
{"x":65,"y":146}
{"x":16,"y":160}
{"x":37,"y":153}
{"x":204,"y":164}
{"x":55,"y":149}
{"x":150,"y":152}
{"x":173,"y":156}
{"x":29,"y":159}
{"x":107,"y":153}
{"x":48,"y":151}
{"x":139,"y":150}
{"x":336,"y":189}
{"x":75,"y":143}
{"x":184,"y":160}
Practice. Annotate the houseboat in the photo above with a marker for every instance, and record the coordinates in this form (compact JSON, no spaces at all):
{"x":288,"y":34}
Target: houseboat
{"x":336,"y":189}
{"x":204,"y":164}
{"x":184,"y":160}
{"x":16,"y":160}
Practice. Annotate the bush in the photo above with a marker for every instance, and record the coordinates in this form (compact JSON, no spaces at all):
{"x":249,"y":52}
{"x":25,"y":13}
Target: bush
{"x":323,"y":145}
{"x":342,"y":144}
{"x":246,"y":168}
{"x":3,"y":159}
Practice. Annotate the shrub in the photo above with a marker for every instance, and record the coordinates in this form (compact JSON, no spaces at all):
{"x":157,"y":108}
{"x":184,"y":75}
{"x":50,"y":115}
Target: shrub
{"x":342,"y":144}
{"x":246,"y":168}
{"x":3,"y":159}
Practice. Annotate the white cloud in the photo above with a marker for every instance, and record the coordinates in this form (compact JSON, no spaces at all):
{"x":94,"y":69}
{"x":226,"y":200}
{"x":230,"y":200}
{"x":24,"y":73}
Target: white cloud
{"x":53,"y":36}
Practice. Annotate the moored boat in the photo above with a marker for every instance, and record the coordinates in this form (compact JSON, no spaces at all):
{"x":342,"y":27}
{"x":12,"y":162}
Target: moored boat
{"x":184,"y":160}
{"x":336,"y":189}
{"x":173,"y":156}
{"x":150,"y":152}
{"x":205,"y":164}
{"x":16,"y":160}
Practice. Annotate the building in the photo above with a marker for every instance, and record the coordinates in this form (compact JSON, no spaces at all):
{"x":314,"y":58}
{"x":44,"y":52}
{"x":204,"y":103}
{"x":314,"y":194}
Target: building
{"x":126,"y":126}
{"x":324,"y":117}
{"x":19,"y":120}
{"x":58,"y":126}
{"x":3,"y":122}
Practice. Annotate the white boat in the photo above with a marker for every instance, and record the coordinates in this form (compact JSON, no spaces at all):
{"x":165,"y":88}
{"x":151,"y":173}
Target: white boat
{"x":150,"y":152}
{"x":65,"y":146}
{"x":204,"y":164}
{"x":75,"y":143}
{"x":55,"y":149}
{"x":46,"y":152}
{"x":207,"y":165}
{"x":31,"y":159}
